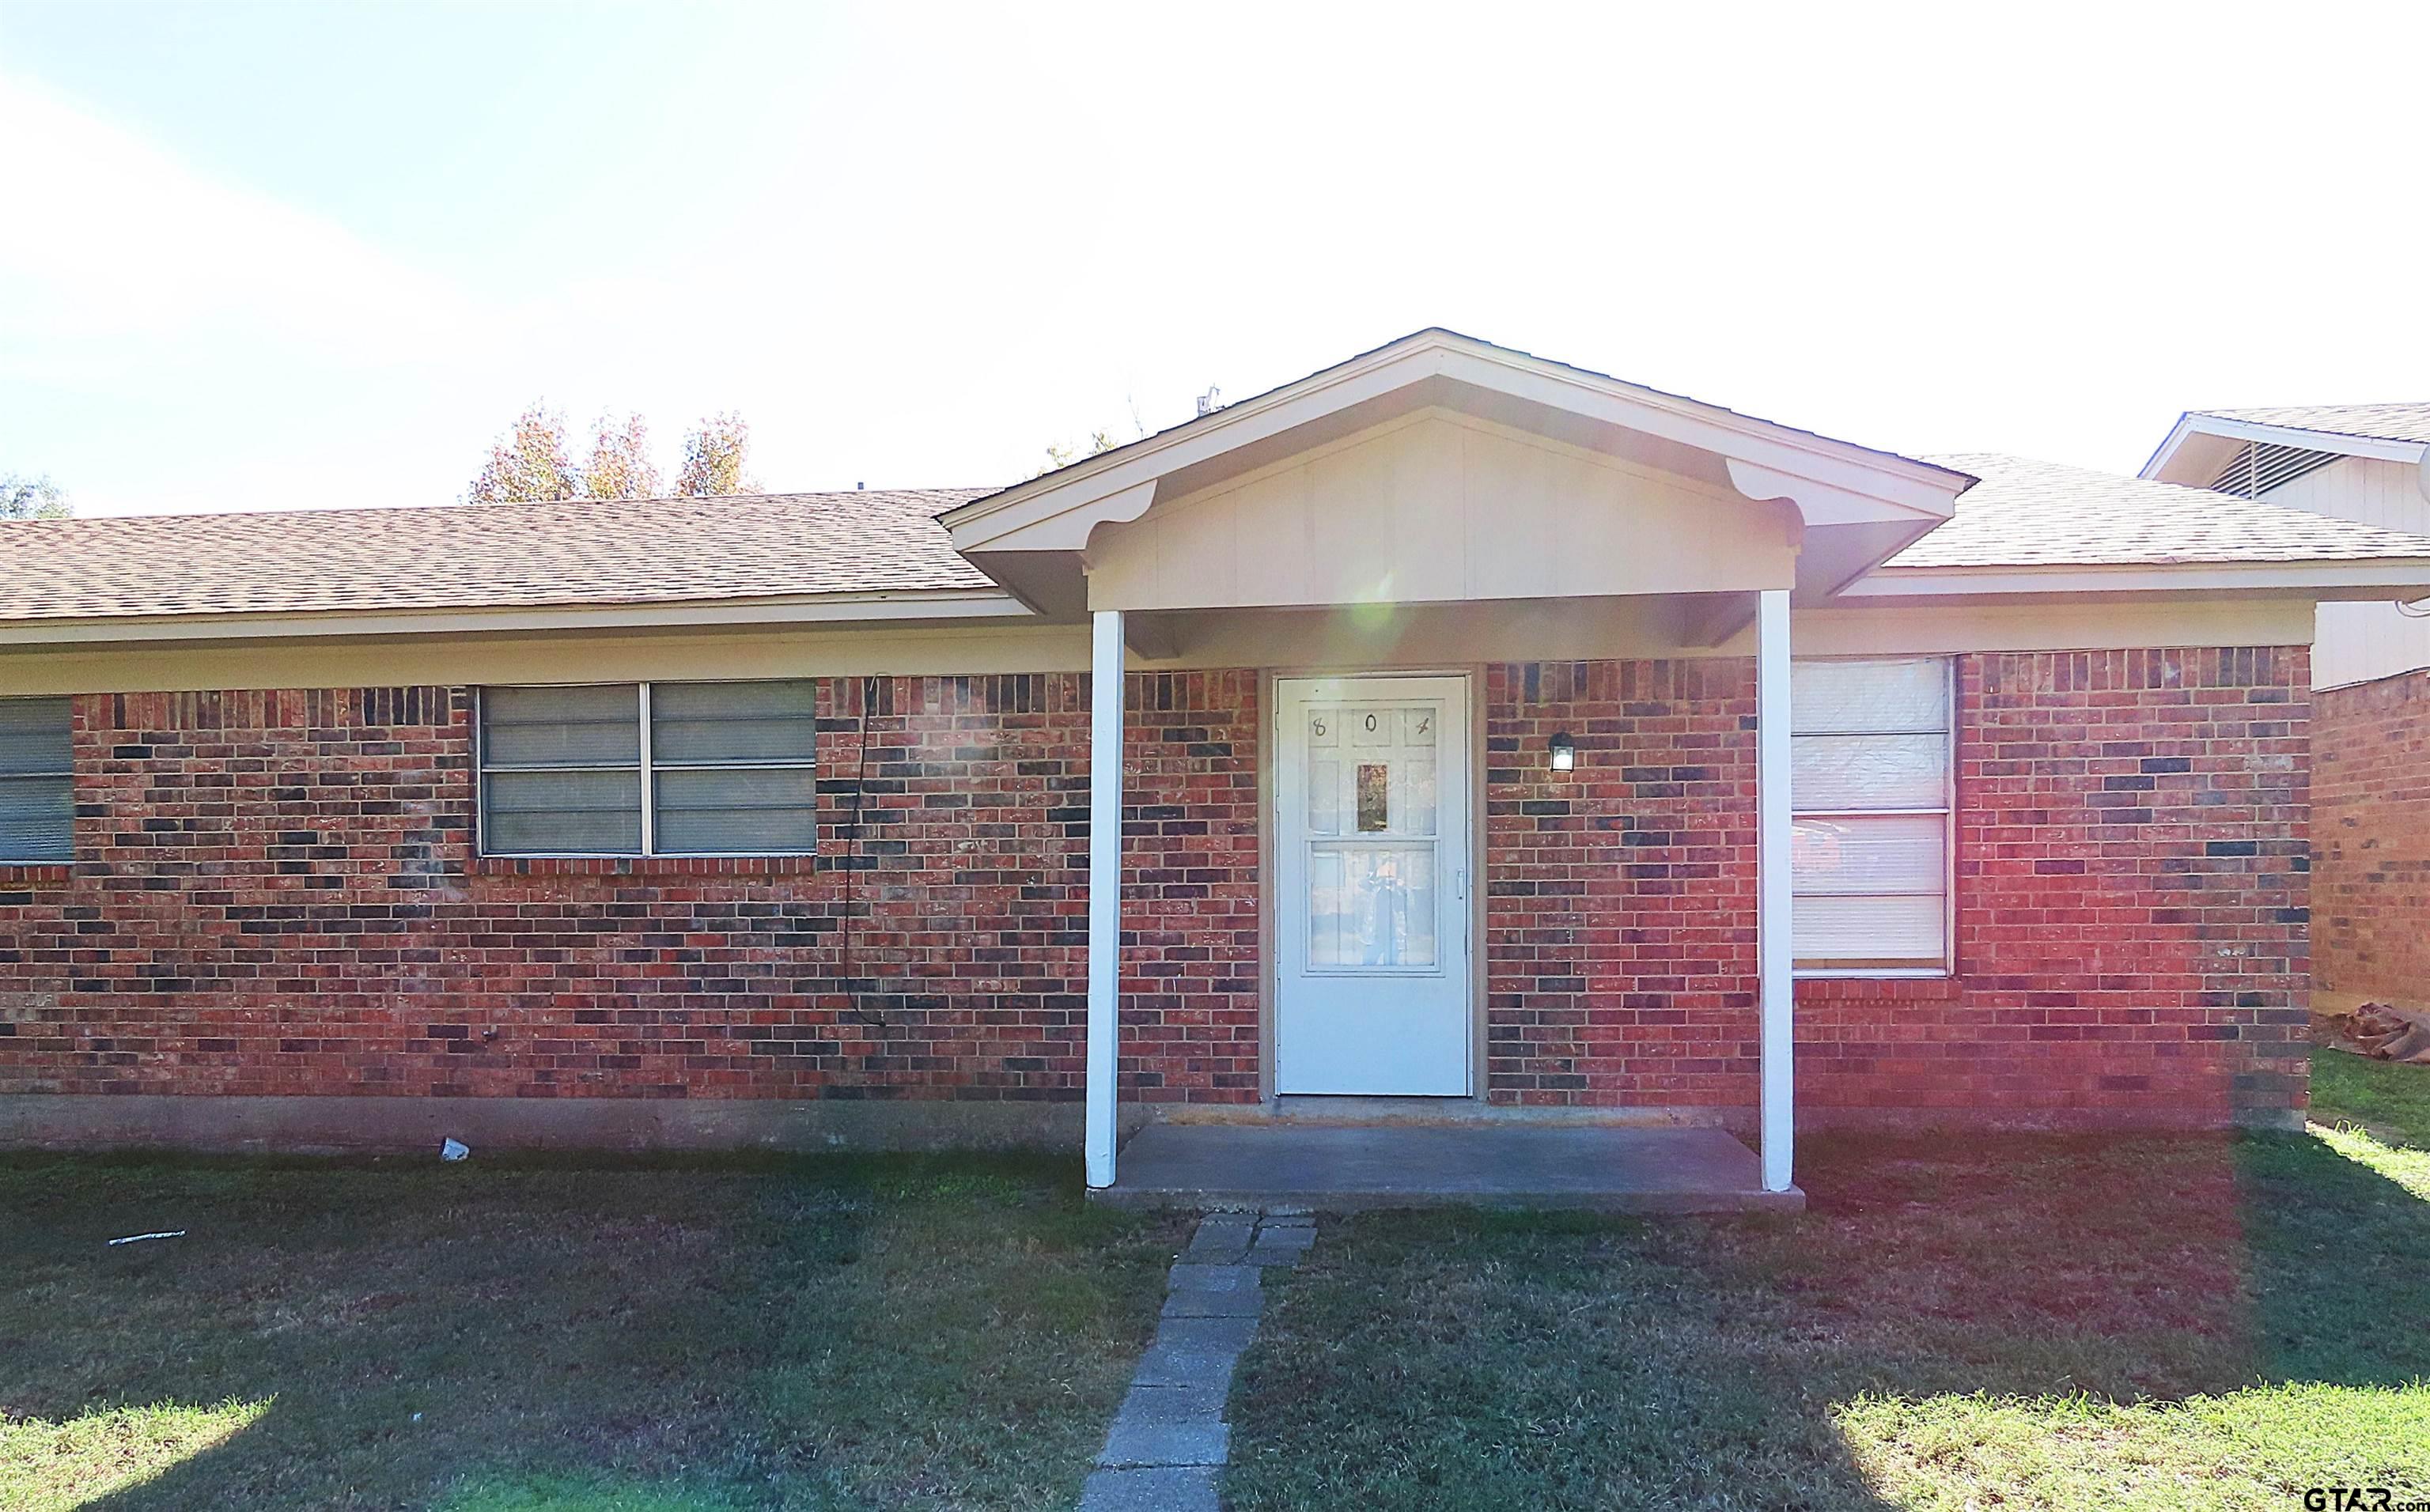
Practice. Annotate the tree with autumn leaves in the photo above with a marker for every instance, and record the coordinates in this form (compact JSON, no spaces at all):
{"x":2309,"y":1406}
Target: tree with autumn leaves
{"x":31,"y":496}
{"x":532,"y":461}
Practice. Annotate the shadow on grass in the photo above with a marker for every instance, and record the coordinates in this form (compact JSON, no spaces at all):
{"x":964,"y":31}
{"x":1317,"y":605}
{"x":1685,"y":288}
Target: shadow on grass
{"x":901,"y":1331}
{"x":1439,"y":1359}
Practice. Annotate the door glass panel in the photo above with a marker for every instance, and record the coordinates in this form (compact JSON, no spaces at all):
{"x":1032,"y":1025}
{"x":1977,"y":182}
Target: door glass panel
{"x":1390,"y":789}
{"x":1413,"y":796}
{"x":1370,"y":905}
{"x":1371,"y":773}
{"x":1324,"y":797}
{"x":1375,"y":797}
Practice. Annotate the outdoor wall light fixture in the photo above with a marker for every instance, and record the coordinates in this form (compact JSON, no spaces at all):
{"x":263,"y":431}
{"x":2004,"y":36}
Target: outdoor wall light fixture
{"x":1565,"y":752}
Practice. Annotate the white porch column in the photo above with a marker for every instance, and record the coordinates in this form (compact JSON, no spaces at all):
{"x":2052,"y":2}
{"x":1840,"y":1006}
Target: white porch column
{"x":1772,"y":892}
{"x":1105,"y":888}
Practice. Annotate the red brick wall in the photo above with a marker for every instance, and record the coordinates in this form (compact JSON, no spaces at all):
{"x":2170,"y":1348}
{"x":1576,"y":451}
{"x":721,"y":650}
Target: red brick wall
{"x":1189,"y":893}
{"x":1620,"y":896}
{"x":2371,"y":797}
{"x":275,"y":893}
{"x":2132,"y":876}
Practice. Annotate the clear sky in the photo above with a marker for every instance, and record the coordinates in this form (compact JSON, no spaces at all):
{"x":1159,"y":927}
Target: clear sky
{"x":274,"y":255}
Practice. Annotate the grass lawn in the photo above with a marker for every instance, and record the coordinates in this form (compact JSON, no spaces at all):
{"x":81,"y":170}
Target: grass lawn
{"x":503,"y":1334}
{"x":2391,"y":1101}
{"x":1962,"y":1323}
{"x":1986,"y":1324}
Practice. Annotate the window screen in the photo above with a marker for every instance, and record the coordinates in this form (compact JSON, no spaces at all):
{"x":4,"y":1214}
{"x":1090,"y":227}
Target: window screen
{"x":1869,"y":761}
{"x":733,"y":766}
{"x":650,"y":768}
{"x":561,"y":770}
{"x":37,"y":794}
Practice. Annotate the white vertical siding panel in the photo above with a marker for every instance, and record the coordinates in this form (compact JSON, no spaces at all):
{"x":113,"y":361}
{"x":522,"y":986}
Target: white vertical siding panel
{"x":2360,"y":642}
{"x":2362,"y":489}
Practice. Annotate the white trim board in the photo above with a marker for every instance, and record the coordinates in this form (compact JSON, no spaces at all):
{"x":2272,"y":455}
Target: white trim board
{"x":2192,"y":424}
{"x":887,"y":606}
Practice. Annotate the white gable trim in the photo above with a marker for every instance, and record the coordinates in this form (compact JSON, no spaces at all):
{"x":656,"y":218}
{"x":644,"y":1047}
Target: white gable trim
{"x":1837,"y":479}
{"x":2189,"y":425}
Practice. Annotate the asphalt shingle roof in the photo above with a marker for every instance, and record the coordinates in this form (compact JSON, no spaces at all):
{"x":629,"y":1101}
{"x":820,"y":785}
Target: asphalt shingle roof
{"x":485,"y":556}
{"x":2379,"y":422}
{"x":663,"y":551}
{"x":2026,"y":513}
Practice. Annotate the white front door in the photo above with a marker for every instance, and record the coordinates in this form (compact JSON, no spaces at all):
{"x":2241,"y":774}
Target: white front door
{"x":1370,"y":784}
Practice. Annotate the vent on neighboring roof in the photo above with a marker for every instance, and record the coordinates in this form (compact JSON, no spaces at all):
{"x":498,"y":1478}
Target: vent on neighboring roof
{"x":2260,"y":466}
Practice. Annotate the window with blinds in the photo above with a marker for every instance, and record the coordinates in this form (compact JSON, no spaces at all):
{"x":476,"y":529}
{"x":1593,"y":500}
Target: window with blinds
{"x":37,"y":791}
{"x":650,"y":768}
{"x":1870,"y":761}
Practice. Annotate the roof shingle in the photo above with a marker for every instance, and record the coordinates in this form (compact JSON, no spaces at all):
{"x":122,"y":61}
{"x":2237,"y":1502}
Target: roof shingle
{"x":486,"y":556}
{"x":2026,"y":513}
{"x":666,"y":551}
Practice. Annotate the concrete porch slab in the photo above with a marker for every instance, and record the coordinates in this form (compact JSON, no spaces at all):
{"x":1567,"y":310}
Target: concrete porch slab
{"x":1617,"y":1170}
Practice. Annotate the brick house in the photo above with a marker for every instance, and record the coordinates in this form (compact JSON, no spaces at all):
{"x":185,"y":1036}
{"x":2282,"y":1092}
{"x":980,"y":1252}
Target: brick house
{"x":1450,"y":725}
{"x":2370,"y":677}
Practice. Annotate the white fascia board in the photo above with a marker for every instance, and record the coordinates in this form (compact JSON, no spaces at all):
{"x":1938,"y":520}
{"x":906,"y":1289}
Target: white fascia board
{"x":1919,"y":488}
{"x":1129,"y":482}
{"x":2388,"y":577}
{"x":830,"y":608}
{"x":2310,"y":440}
{"x":2168,"y":447}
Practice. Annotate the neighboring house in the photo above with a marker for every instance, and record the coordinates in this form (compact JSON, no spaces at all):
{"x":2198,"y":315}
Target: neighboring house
{"x":2371,"y":664}
{"x":1473,"y":727}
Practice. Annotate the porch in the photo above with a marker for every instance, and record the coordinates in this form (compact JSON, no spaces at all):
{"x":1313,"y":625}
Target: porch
{"x":1366,"y":543}
{"x":1489,"y":1163}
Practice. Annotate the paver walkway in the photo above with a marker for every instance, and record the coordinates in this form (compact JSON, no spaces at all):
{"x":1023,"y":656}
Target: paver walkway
{"x":1169,"y":1442}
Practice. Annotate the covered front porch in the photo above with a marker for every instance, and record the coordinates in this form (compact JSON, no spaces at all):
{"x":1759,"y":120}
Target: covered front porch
{"x":1381,"y":550}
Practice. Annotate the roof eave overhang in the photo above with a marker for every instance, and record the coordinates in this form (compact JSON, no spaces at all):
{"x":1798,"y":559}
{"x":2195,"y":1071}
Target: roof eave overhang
{"x":1830,"y":482}
{"x":2163,"y":466}
{"x":2371,"y":579}
{"x":902,"y":607}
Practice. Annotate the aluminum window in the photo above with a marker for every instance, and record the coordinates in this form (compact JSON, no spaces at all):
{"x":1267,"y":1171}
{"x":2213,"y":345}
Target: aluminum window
{"x":1871,"y":764}
{"x":650,"y":768}
{"x":37,"y":786}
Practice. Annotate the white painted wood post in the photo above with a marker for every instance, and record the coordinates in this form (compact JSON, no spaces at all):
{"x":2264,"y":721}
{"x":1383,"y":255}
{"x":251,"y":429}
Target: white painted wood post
{"x":1104,"y":890}
{"x":1773,"y":891}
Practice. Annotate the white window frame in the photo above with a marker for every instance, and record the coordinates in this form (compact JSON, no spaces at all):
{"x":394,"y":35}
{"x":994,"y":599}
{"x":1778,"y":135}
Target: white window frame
{"x":1947,"y":966}
{"x":648,"y":766}
{"x":66,"y":774}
